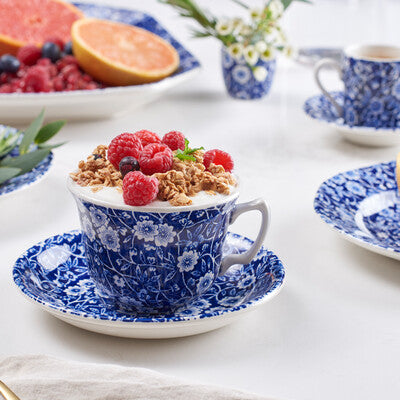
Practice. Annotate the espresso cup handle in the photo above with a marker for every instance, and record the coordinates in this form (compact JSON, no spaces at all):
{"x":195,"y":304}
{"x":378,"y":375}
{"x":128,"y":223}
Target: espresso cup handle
{"x":328,"y":62}
{"x":247,"y":256}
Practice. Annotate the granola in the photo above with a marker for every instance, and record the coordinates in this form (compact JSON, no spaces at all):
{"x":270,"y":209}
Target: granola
{"x":184,"y":180}
{"x":97,"y":171}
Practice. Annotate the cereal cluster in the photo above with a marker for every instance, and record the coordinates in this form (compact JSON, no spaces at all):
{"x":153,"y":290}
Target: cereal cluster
{"x":158,"y":171}
{"x":97,"y":171}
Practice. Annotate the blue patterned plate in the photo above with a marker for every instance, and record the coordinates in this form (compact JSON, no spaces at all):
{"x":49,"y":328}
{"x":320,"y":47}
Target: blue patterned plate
{"x":53,"y":273}
{"x":107,"y":102}
{"x":364,"y":206}
{"x":23,"y":181}
{"x":320,"y":109}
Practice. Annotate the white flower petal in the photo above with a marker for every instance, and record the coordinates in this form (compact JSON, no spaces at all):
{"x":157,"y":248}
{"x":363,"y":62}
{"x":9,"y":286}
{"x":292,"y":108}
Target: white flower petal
{"x":260,"y":74}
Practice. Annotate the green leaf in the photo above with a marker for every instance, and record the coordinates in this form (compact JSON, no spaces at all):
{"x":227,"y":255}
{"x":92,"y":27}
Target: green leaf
{"x":7,"y":173}
{"x":25,"y":161}
{"x":241,"y":4}
{"x":287,"y":3}
{"x":185,"y":155}
{"x":30,"y":133}
{"x":48,"y":131}
{"x":50,"y":146}
{"x":8,"y":142}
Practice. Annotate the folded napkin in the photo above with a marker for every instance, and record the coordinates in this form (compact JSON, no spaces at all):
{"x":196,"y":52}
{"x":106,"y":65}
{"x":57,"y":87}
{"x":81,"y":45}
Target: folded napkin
{"x":48,"y":378}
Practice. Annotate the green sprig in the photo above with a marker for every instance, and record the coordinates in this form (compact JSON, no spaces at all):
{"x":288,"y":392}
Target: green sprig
{"x":32,"y":147}
{"x":186,"y":155}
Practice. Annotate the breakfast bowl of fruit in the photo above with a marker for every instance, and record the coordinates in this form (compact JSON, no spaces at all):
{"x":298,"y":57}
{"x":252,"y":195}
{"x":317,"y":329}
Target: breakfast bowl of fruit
{"x":84,"y":61}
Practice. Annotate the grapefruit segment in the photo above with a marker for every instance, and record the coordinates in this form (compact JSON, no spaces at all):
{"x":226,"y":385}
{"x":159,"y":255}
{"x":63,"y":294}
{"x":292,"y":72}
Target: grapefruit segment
{"x":33,"y":21}
{"x":119,"y":54}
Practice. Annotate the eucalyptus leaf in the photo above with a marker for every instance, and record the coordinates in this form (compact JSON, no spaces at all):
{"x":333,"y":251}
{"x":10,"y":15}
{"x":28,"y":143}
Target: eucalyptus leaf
{"x":50,"y":146}
{"x":7,"y":173}
{"x":27,"y":161}
{"x":48,"y":131}
{"x":30,"y":133}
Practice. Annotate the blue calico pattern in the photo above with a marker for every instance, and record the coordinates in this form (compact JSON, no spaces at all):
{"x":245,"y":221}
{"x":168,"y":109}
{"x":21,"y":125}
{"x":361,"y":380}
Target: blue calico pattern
{"x":363,"y":204}
{"x":54,"y":273}
{"x":153,"y":262}
{"x":319,"y":107}
{"x":372,"y":93}
{"x":28,"y":178}
{"x":132,"y":17}
{"x":239,"y":78}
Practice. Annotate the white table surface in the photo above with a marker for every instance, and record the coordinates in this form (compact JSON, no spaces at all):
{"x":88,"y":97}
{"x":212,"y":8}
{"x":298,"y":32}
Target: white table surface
{"x":333,"y":332}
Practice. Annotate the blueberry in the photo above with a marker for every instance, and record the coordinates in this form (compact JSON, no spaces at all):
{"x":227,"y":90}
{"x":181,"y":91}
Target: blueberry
{"x":128,"y":164}
{"x":68,"y":48}
{"x":52,"y":51}
{"x":9,"y":63}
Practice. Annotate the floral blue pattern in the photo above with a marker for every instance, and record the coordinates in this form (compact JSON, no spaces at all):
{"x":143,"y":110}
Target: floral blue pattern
{"x":22,"y":181}
{"x":321,"y":109}
{"x":363,"y":204}
{"x":54,"y":273}
{"x":152,"y":262}
{"x":133,"y":17}
{"x":371,"y":93}
{"x":239,"y":78}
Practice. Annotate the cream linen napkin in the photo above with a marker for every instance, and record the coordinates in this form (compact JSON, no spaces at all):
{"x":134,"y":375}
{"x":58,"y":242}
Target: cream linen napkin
{"x":47,"y":378}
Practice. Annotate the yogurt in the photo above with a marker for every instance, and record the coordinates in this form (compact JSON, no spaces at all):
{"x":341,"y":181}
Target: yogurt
{"x":112,"y":197}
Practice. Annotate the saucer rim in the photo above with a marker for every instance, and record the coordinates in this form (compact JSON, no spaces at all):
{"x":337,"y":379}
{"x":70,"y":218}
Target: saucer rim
{"x":374,"y":247}
{"x":147,"y":321}
{"x":341,"y":125}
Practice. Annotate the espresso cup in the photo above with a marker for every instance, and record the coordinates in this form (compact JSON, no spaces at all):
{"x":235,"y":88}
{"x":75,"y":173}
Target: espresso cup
{"x":154,"y":259}
{"x":371,"y":78}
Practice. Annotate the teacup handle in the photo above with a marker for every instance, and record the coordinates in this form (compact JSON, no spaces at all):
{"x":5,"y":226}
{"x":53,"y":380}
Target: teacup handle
{"x":247,"y":256}
{"x":328,"y":62}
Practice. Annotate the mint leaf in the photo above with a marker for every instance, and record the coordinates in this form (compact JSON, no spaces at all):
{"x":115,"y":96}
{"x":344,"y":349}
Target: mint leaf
{"x":185,"y":155}
{"x":48,"y":131}
{"x":30,"y":133}
{"x":7,"y":173}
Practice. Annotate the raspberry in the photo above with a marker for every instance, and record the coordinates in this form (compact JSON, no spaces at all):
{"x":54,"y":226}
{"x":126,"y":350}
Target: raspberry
{"x":37,"y":79}
{"x":67,"y":60}
{"x":155,"y":157}
{"x":56,"y":40}
{"x":123,"y":145}
{"x":218,"y":157}
{"x":139,"y":189}
{"x":29,"y":54}
{"x":174,"y":140}
{"x":147,"y":137}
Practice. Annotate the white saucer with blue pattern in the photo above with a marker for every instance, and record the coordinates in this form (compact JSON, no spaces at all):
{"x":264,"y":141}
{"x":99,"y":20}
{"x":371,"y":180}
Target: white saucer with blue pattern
{"x":363,"y":205}
{"x":53,"y":274}
{"x":321,"y":110}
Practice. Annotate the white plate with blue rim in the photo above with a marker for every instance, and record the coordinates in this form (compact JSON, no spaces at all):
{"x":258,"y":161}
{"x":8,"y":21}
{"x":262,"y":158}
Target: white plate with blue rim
{"x":363,"y":205}
{"x":29,"y":178}
{"x":53,"y":274}
{"x":107,"y":102}
{"x":321,"y":110}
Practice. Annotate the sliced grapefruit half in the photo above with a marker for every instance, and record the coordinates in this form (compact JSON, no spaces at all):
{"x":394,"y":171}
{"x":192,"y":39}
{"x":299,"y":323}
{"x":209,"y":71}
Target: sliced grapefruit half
{"x":34,"y":21}
{"x":118,"y":54}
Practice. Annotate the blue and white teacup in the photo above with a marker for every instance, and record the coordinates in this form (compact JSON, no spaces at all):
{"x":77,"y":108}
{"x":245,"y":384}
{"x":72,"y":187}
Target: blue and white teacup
{"x":156,"y":258}
{"x":371,"y":77}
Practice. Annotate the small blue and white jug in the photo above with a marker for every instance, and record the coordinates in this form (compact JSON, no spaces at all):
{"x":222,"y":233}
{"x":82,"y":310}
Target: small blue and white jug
{"x":245,"y":82}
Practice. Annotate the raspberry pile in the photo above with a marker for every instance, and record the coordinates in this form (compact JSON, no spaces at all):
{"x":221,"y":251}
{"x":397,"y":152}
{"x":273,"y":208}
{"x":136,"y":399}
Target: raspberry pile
{"x":140,"y":155}
{"x":52,"y":68}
